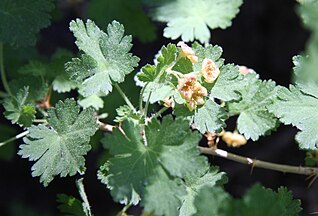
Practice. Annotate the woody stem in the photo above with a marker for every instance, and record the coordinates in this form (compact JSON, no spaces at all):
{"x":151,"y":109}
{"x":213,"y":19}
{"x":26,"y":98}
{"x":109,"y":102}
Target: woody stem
{"x":258,"y":163}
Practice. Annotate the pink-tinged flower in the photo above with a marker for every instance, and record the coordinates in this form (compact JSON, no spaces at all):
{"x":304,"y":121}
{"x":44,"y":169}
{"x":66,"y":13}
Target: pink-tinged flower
{"x":187,"y":51}
{"x":209,"y":70}
{"x":233,"y":139}
{"x":168,"y":102}
{"x":192,"y":91}
{"x":244,"y":70}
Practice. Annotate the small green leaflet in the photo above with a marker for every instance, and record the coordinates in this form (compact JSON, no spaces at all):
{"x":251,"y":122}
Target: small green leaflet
{"x":94,"y":101}
{"x":191,"y":20}
{"x":257,"y":201}
{"x":298,"y":106}
{"x":105,"y":57}
{"x":18,"y":109}
{"x":153,"y":78}
{"x":210,"y":117}
{"x":21,"y":20}
{"x":166,"y":153}
{"x":254,"y":118}
{"x":208,"y":177}
{"x":69,"y":205}
{"x":59,"y":148}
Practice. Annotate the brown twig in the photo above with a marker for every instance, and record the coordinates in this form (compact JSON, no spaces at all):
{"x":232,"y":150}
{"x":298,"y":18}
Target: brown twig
{"x":310,"y":171}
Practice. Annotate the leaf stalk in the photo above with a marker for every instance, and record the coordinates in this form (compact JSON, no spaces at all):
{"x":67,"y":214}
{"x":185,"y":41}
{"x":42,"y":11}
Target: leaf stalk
{"x":3,"y":74}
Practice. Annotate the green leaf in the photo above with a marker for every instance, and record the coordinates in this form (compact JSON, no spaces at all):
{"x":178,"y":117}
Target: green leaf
{"x":257,"y":201}
{"x":159,"y":84}
{"x":162,"y":195}
{"x":254,"y":118}
{"x":18,"y":110}
{"x":94,"y":101}
{"x":191,"y":20}
{"x":298,"y":107}
{"x":69,"y":205}
{"x":106,"y":57}
{"x":207,"y":177}
{"x":210,"y":117}
{"x":213,"y":201}
{"x":62,"y":84}
{"x":59,"y":149}
{"x":228,"y":84}
{"x":21,"y":20}
{"x":210,"y":51}
{"x":261,"y":201}
{"x":105,"y":11}
{"x":170,"y":145}
{"x":125,"y":112}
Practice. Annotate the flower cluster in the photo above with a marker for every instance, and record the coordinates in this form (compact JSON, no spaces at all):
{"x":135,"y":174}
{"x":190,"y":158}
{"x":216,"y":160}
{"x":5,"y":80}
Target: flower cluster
{"x":191,"y":90}
{"x":186,"y":51}
{"x":209,"y":70}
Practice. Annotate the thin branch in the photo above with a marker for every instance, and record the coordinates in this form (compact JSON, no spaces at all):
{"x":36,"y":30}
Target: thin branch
{"x":105,"y":127}
{"x":123,"y":95}
{"x":258,"y":163}
{"x":141,"y":96}
{"x":162,"y":110}
{"x":81,"y":190}
{"x":14,"y":138}
{"x":40,"y":121}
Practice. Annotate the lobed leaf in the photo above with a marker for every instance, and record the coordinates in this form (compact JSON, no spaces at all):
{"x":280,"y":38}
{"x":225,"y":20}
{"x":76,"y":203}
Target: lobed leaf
{"x":21,"y":20}
{"x":141,"y":164}
{"x":298,"y":106}
{"x":254,"y":118}
{"x":190,"y":20}
{"x":105,"y":59}
{"x":18,"y":109}
{"x":59,"y":149}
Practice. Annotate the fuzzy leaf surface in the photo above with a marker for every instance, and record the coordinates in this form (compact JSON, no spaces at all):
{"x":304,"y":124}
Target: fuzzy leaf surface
{"x":254,"y":118}
{"x":158,"y":87}
{"x":18,"y":110}
{"x":191,"y":21}
{"x":21,"y":20}
{"x":171,"y":146}
{"x":207,"y":177}
{"x":59,"y":149}
{"x":106,"y":57}
{"x":299,"y":107}
{"x":257,"y":201}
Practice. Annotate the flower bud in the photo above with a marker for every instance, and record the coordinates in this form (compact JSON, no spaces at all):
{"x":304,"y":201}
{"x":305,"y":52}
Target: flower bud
{"x":209,"y":70}
{"x":233,"y":139}
{"x":244,"y":70}
{"x":187,"y":51}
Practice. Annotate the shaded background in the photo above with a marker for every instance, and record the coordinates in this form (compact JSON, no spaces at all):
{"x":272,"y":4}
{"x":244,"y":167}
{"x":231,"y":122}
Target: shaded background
{"x":264,"y":36}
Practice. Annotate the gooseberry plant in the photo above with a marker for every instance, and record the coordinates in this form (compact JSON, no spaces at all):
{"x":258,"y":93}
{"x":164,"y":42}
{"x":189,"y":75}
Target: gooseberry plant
{"x":155,"y":157}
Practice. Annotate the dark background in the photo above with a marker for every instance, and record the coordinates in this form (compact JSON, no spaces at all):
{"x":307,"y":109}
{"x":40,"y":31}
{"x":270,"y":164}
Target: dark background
{"x":264,"y":36}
